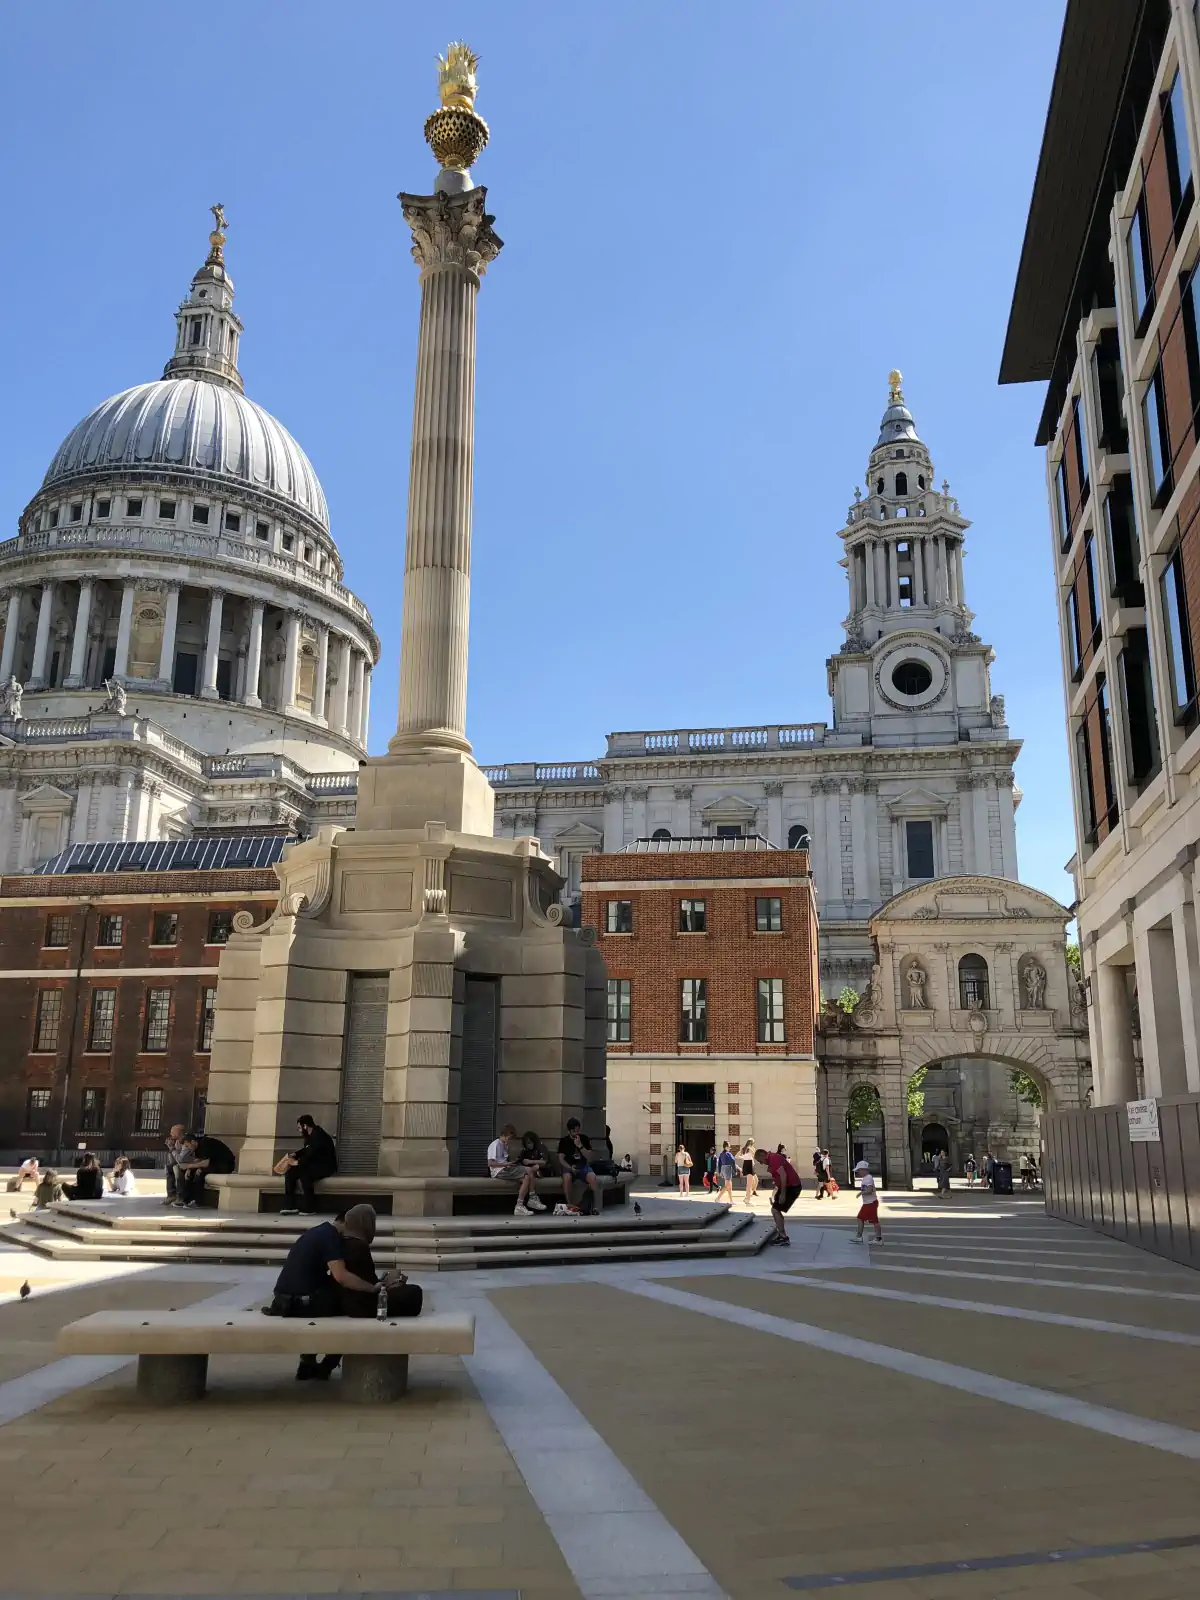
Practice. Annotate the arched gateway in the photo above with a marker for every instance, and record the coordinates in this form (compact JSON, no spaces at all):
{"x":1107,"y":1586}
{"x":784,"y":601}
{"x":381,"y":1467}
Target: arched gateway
{"x":968,"y":971}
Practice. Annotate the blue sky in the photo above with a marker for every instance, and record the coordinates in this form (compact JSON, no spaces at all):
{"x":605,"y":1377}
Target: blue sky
{"x":723,"y":224}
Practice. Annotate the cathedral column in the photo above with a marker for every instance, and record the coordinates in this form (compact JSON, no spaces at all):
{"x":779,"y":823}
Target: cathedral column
{"x":954,"y":558}
{"x":357,"y":695}
{"x":858,"y":836}
{"x":212,"y":646}
{"x":250,"y":695}
{"x":166,"y":654}
{"x":365,"y":716}
{"x":893,"y":588}
{"x":339,"y":708}
{"x":11,"y":624}
{"x":322,"y":675}
{"x":939,"y":570}
{"x":291,"y":661}
{"x":918,"y":550}
{"x":1115,"y":1068}
{"x":124,"y":630}
{"x":1008,"y":827}
{"x":79,"y":638}
{"x":869,"y":570}
{"x":774,"y":793}
{"x":41,"y":644}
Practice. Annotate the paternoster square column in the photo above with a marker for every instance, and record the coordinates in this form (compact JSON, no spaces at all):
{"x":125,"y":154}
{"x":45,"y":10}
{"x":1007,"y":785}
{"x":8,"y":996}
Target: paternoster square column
{"x":428,"y":774}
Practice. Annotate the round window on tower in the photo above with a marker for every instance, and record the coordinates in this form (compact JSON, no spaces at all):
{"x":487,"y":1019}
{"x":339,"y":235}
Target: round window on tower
{"x":911,"y":678}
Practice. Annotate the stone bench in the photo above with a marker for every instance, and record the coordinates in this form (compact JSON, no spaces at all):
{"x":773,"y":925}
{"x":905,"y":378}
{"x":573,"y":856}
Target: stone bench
{"x":173,"y":1347}
{"x":408,"y":1197}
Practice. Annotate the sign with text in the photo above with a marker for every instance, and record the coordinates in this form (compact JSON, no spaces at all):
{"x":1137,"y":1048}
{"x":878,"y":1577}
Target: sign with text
{"x":1143,"y":1121}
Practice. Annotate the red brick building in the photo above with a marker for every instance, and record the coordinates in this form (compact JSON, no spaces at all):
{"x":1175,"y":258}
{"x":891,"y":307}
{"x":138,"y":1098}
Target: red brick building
{"x":713,"y":993}
{"x":108,"y":969}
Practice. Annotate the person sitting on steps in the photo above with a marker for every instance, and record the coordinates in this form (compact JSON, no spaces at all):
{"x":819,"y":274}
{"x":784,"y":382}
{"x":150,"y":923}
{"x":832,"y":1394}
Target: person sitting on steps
{"x":201,"y":1154}
{"x":304,"y":1168}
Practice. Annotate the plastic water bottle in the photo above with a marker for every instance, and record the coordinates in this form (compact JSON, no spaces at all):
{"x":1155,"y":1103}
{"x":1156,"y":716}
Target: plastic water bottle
{"x":381,"y":1299}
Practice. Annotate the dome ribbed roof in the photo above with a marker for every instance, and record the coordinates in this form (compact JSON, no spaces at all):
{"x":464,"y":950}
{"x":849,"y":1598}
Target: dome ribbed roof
{"x":189,"y":425}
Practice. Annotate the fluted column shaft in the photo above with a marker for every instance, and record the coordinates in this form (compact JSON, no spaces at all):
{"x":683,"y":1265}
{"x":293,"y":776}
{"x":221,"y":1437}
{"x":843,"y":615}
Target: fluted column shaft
{"x":12,"y":622}
{"x":79,"y":638}
{"x":453,"y":244}
{"x":322,"y":673}
{"x":41,"y":642}
{"x":291,"y":660}
{"x":339,"y":708}
{"x":124,"y":630}
{"x":212,"y":646}
{"x":250,"y":694}
{"x":166,"y":653}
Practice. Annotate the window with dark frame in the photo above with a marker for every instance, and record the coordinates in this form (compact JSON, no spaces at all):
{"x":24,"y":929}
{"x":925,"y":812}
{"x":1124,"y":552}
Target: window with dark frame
{"x":158,"y":1020}
{"x":101,"y":1015}
{"x":148,"y":1116}
{"x":618,"y":916}
{"x":1081,"y":458}
{"x":91,"y":1111}
{"x":133,"y":508}
{"x":619,"y":996}
{"x":768,"y":914}
{"x":693,"y":1011}
{"x":110,"y":930}
{"x":1124,"y":546}
{"x":1083,"y":773}
{"x":37,"y":1111}
{"x":770,"y":1011}
{"x":1179,"y":157}
{"x":693,"y":916}
{"x":49,"y":1019}
{"x":262,"y":530}
{"x":798,"y":836}
{"x":1064,"y":504}
{"x":103,"y":509}
{"x":1141,"y":273}
{"x":164,"y":928}
{"x":1093,"y":589}
{"x":208,"y":1010}
{"x":220,"y":926}
{"x":200,"y":516}
{"x":166,"y":510}
{"x":1074,"y":631}
{"x":729,"y":830}
{"x":58,"y":931}
{"x":77,"y":511}
{"x":1187,"y":315}
{"x":233,"y":522}
{"x":1142,"y":755}
{"x":973,"y":987}
{"x":1158,"y":446}
{"x":1177,"y":626}
{"x":1107,"y":768}
{"x":1109,"y":384}
{"x":918,"y":838}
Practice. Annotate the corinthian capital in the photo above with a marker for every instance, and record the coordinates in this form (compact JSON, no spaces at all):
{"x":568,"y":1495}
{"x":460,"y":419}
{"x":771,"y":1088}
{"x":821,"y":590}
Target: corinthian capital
{"x":451,"y":230}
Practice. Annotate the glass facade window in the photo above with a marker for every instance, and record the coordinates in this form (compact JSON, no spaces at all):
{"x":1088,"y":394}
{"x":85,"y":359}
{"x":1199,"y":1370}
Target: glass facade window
{"x":1107,"y":770}
{"x":110,"y":931}
{"x":618,"y":916}
{"x":1142,"y":758}
{"x":208,"y":1010}
{"x":1081,"y":457}
{"x":1158,"y":450}
{"x":100,"y":1019}
{"x":1108,"y":385}
{"x":49,"y":1019}
{"x":1179,"y":639}
{"x":770,"y":1011}
{"x":37,"y":1111}
{"x":1179,"y":156}
{"x":918,"y":838}
{"x":1093,"y":589}
{"x":693,"y":916}
{"x":1074,"y":632}
{"x":58,"y":932}
{"x":619,"y":994}
{"x":164,"y":929}
{"x":768,"y":914}
{"x":91,"y":1111}
{"x":693,"y":1011}
{"x":1083,"y":770}
{"x":149,"y":1111}
{"x":158,"y":1019}
{"x":1141,"y":278}
{"x":1064,"y":504}
{"x":1124,"y":546}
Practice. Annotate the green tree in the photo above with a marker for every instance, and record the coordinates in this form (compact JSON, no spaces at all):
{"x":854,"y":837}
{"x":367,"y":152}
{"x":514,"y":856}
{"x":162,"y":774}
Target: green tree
{"x":1074,"y":960}
{"x":848,"y":1001}
{"x":864,"y":1105}
{"x":1026,"y":1088}
{"x":916,"y":1092}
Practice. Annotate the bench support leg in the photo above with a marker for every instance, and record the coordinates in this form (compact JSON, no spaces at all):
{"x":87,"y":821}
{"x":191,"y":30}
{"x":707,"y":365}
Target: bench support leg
{"x":170,"y":1380}
{"x":370,"y":1380}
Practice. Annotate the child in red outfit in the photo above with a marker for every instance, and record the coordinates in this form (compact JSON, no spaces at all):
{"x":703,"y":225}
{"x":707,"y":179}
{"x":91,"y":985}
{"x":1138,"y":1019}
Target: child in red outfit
{"x":868,"y":1210}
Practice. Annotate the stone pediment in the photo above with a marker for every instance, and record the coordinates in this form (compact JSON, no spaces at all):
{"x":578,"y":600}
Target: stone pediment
{"x":917,"y":802}
{"x":580,"y":836}
{"x":971,"y":899}
{"x":729,"y":808}
{"x":46,"y":797}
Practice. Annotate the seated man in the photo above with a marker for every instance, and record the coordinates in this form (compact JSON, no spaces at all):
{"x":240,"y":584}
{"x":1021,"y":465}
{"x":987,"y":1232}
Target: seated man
{"x":575,"y":1161}
{"x":315,"y":1159}
{"x":29,"y":1171}
{"x":510,"y":1166}
{"x":316,"y":1280}
{"x":201,"y":1154}
{"x":175,"y":1154}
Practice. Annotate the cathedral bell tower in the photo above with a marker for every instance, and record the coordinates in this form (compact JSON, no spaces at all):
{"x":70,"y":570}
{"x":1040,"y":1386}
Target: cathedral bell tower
{"x":911,"y":671}
{"x":206,"y":343}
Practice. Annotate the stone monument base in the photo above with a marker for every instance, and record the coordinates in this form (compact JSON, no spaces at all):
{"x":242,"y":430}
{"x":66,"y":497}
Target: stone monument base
{"x":414,"y":989}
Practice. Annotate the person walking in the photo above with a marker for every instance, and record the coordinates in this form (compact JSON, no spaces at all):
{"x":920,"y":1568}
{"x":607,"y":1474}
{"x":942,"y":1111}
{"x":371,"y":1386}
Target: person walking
{"x":683,"y":1168}
{"x":972,"y":1170}
{"x":868,"y":1209}
{"x":941,"y":1169}
{"x":831,"y":1187}
{"x":818,"y":1165}
{"x":748,"y":1171}
{"x":787,"y":1190}
{"x":726,"y":1168}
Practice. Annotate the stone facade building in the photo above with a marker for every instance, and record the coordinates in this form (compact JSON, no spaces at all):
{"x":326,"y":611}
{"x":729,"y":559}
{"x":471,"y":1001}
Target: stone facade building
{"x":177,"y":646}
{"x":711,"y":950}
{"x":1105,"y":311}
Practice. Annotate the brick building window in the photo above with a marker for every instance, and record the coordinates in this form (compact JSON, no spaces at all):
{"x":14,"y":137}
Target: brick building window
{"x":619,"y":995}
{"x":165,"y":928}
{"x":149,"y":1111}
{"x":1179,"y":640}
{"x":58,"y":932}
{"x":1158,"y":444}
{"x":101,"y":1018}
{"x":111,"y":930}
{"x":1141,"y":272}
{"x":37,"y":1111}
{"x":49,"y":1019}
{"x":693,"y":1011}
{"x":618,"y":916}
{"x":220,"y":926}
{"x":208,"y":1006}
{"x":768,"y":914}
{"x":693,"y":916}
{"x":91,"y":1114}
{"x":770,"y":1011}
{"x":158,"y":1019}
{"x":1179,"y":158}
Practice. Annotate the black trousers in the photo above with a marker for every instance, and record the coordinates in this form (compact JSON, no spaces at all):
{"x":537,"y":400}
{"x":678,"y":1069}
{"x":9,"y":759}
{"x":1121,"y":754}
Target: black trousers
{"x":303,"y":1176}
{"x":191,"y":1185}
{"x":404,"y":1300}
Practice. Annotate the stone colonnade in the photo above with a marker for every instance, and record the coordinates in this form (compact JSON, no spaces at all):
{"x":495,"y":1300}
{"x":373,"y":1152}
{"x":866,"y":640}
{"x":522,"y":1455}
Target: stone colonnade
{"x":338,"y":660}
{"x":934,"y":564}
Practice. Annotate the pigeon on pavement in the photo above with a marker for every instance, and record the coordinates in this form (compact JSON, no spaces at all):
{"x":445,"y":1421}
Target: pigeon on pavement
{"x":25,"y":1291}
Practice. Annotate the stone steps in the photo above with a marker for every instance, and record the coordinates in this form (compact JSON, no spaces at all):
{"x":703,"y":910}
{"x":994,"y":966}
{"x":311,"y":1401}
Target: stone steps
{"x":431,"y":1245}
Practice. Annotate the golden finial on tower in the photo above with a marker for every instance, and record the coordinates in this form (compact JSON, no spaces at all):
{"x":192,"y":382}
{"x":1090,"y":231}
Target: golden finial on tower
{"x":895,"y":393}
{"x":457,"y":133}
{"x":216,"y":239}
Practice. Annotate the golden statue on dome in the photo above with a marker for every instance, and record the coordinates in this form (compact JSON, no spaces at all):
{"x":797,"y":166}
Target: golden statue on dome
{"x":456,"y":133}
{"x":216,"y":239}
{"x":895,"y":393}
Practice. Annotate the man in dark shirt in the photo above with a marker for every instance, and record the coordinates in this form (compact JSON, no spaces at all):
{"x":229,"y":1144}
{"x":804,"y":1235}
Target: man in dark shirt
{"x":575,"y":1162}
{"x":201,"y":1154}
{"x":315,"y":1159}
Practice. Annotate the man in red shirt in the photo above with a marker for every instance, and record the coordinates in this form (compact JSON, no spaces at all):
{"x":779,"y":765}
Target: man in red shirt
{"x":787,"y":1187}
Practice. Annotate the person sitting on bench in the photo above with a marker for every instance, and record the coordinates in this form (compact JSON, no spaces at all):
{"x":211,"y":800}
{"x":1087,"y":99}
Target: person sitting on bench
{"x":201,"y":1154}
{"x":508,"y":1162}
{"x":575,"y":1160}
{"x":315,"y":1159}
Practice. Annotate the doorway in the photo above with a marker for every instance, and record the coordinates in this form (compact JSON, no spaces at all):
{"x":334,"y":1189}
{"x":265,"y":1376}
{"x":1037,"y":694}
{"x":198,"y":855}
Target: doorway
{"x":695,"y":1125}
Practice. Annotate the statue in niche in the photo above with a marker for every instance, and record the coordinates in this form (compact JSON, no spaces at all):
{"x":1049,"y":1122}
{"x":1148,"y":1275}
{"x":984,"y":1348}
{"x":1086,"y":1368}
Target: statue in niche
{"x":1035,"y":987}
{"x":115,"y":700}
{"x":10,"y":701}
{"x":915,"y":978}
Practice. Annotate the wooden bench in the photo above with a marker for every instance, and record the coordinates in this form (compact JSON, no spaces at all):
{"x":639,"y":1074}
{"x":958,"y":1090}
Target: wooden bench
{"x":173,"y":1347}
